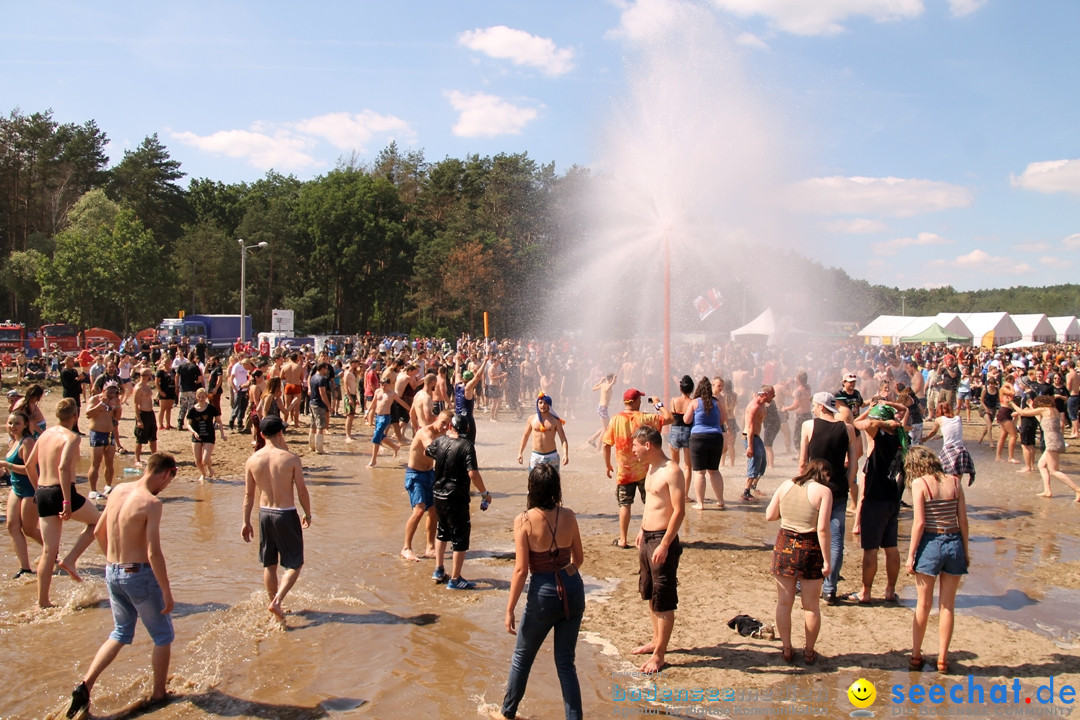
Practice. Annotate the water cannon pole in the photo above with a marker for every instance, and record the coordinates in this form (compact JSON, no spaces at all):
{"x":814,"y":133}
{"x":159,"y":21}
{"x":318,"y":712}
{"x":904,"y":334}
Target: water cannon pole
{"x":486,"y":334}
{"x":667,"y":317}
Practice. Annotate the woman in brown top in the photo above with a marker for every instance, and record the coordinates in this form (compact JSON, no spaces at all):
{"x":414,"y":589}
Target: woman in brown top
{"x":803,"y":505}
{"x":939,"y":547}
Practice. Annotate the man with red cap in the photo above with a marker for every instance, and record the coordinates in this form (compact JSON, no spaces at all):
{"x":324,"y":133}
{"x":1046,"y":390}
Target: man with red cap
{"x":630,"y":472}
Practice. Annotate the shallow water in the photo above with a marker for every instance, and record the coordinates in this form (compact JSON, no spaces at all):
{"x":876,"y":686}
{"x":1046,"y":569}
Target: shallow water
{"x":371,"y":636}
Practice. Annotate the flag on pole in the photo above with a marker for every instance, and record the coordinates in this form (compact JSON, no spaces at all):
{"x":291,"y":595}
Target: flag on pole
{"x":708,"y":303}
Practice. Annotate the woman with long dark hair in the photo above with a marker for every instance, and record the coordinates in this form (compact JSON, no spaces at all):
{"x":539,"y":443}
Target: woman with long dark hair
{"x":547,"y":543}
{"x":679,"y":435}
{"x":706,"y":414}
{"x":22,"y":516}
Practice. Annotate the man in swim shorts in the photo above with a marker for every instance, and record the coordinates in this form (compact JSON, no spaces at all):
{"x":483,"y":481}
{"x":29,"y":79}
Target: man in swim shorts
{"x":658,"y":542}
{"x":145,"y":420}
{"x":135,"y":574}
{"x":278,"y":475}
{"x":381,"y":406}
{"x":103,"y":412}
{"x":292,"y":377}
{"x":420,"y":484}
{"x":546,"y":425}
{"x":753,"y":420}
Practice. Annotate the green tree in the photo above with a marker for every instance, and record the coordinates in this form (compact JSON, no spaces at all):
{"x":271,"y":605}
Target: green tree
{"x":146,"y":181}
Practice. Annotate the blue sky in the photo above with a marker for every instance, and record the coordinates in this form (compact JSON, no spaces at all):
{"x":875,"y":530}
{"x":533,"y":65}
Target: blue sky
{"x":922,"y":142}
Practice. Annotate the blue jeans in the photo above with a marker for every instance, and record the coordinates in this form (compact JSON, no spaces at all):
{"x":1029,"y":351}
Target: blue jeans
{"x":543,"y":611}
{"x":836,"y":546}
{"x":136,"y":595}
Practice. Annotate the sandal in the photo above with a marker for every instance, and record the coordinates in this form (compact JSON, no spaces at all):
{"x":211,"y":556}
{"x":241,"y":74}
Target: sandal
{"x":789,"y":654}
{"x":943,"y":666}
{"x":915,"y":663}
{"x":810,"y":657}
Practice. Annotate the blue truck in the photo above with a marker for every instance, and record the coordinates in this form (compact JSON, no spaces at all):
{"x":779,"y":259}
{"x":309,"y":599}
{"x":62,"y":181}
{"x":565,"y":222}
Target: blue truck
{"x":220,"y":331}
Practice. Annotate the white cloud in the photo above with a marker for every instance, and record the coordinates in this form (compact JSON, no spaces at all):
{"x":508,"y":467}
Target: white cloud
{"x":891,"y":247}
{"x":858,"y":226}
{"x":353,"y":131}
{"x":1055,"y":262}
{"x":752,"y":41}
{"x":282,"y":150}
{"x":1072,"y":242}
{"x":1033,"y":247}
{"x":960,"y":8}
{"x":485,"y":115}
{"x":823,"y":17}
{"x":890,"y":197}
{"x":520,"y":48}
{"x":1051,"y":176}
{"x":982,"y":261}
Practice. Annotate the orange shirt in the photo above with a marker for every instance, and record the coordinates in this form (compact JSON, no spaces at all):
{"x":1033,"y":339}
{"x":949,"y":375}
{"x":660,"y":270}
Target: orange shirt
{"x":619,"y":434}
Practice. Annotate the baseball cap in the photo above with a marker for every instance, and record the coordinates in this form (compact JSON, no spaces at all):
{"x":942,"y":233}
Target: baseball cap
{"x":826,"y":400}
{"x":271,"y":425}
{"x":631,"y":395}
{"x":850,"y":377}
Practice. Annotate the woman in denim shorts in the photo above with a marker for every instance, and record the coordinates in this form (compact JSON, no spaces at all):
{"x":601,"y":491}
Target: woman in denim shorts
{"x":939,"y":547}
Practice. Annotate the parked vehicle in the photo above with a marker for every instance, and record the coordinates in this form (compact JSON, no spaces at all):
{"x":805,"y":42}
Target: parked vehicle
{"x":12,"y":337}
{"x":57,"y":336}
{"x":220,"y":331}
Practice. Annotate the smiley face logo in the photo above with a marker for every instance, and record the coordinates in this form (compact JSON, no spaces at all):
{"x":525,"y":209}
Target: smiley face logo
{"x":862,"y":693}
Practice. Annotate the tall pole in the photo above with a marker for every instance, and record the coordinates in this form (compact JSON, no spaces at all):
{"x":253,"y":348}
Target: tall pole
{"x":667,"y":318}
{"x":243,"y":288}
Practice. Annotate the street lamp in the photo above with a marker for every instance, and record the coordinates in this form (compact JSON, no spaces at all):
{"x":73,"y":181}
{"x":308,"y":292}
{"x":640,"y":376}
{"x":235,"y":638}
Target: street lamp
{"x":903,"y":305}
{"x":243,"y":282}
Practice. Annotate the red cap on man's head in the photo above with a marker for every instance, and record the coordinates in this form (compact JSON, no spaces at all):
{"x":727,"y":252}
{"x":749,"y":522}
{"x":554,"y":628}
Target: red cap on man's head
{"x":631,"y":395}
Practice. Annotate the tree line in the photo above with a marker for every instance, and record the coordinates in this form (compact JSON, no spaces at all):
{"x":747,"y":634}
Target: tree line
{"x":398,"y":244}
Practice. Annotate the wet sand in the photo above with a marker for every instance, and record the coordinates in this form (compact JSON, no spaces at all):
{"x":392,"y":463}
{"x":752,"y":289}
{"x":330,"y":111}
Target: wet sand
{"x":371,"y":636}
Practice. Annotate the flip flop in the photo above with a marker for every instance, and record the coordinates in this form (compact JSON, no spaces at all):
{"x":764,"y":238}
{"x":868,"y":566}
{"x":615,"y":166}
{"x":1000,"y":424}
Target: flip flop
{"x":615,"y":542}
{"x":854,"y":597}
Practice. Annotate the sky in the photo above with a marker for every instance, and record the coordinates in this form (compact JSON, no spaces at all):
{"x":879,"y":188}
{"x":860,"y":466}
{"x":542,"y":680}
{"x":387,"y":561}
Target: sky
{"x":923,"y":142}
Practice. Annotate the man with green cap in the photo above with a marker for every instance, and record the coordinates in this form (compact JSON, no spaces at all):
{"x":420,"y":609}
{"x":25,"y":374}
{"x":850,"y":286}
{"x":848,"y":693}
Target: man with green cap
{"x":877,"y":511}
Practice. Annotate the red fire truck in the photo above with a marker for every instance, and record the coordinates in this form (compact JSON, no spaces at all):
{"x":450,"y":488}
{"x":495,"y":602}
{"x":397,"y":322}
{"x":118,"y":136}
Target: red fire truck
{"x":12,"y":336}
{"x":58,"y":336}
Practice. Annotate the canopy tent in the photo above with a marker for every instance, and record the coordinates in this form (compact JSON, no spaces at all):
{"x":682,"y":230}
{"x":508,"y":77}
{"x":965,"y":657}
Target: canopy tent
{"x":1020,"y":345}
{"x":1066,"y":327}
{"x":936,"y":334}
{"x":766,"y":329}
{"x":1035,"y":328}
{"x":884,"y":329}
{"x":990,"y":329}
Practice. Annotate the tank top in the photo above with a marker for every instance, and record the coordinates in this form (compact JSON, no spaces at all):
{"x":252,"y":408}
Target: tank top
{"x":555,"y":557}
{"x":796,"y":512}
{"x":990,"y":399}
{"x":13,"y":457}
{"x":706,"y":423}
{"x":830,"y":442}
{"x":677,"y":418}
{"x":462,"y":405}
{"x":941,"y":513}
{"x":952,"y":431}
{"x":879,"y":486}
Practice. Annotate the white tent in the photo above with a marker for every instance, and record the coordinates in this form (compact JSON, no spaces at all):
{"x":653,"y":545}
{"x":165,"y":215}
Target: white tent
{"x":1066,"y":327}
{"x":885,"y":329}
{"x":1020,"y":345}
{"x":1035,"y":328}
{"x":766,"y":328}
{"x":953,"y":323}
{"x":990,"y":329}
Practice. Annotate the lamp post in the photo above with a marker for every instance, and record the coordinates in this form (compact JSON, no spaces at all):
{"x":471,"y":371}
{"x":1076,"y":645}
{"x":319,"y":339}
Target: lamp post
{"x":903,"y":305}
{"x":243,"y":282}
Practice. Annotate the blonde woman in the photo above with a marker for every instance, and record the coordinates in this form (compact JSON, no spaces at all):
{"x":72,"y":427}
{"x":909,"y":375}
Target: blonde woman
{"x":938,"y":554}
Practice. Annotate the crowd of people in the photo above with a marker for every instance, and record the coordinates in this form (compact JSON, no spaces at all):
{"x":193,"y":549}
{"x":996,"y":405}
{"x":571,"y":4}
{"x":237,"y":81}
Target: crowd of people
{"x":857,"y":442}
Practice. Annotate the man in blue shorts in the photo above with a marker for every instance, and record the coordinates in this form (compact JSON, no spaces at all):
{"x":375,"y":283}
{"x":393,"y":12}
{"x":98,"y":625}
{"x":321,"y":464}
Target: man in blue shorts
{"x":420,"y":484}
{"x":753,"y":420}
{"x":129,"y":532}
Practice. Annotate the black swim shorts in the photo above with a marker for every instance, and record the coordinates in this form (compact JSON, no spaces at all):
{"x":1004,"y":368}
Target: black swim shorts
{"x":455,"y":524}
{"x":280,"y":538}
{"x":50,"y":500}
{"x":879,"y":524}
{"x":657,"y":583}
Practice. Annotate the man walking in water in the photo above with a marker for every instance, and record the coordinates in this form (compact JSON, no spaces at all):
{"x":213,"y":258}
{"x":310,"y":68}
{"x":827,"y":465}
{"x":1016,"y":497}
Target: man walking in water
{"x":51,"y":469}
{"x":129,"y":533}
{"x":420,"y":484}
{"x":658,"y":543}
{"x":276,"y":473}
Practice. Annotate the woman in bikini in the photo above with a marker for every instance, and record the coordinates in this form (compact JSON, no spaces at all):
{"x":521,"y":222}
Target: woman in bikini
{"x":22,"y":517}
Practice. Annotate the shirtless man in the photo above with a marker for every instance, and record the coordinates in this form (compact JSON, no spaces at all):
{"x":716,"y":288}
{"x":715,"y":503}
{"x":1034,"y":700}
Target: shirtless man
{"x":129,"y":533}
{"x":605,"y":386}
{"x":381,"y":407}
{"x":658,"y":543}
{"x":753,"y":419}
{"x":351,"y":380}
{"x":292,"y":377}
{"x":420,"y":483}
{"x":496,"y":377}
{"x":51,"y":469}
{"x":145,"y":421}
{"x":423,"y":407}
{"x":1072,"y":405}
{"x":276,"y":473}
{"x":104,"y":412}
{"x":547,"y":425}
{"x":800,"y":404}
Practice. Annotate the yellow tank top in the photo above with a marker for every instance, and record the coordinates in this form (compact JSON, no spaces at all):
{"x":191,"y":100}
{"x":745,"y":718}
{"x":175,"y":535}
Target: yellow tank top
{"x":796,"y":512}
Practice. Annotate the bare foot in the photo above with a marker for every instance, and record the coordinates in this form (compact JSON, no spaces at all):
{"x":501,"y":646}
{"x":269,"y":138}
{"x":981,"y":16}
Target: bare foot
{"x":696,"y":506}
{"x":429,"y":553}
{"x":1045,"y":495}
{"x":644,"y":650}
{"x":408,"y":554}
{"x":370,"y":464}
{"x":1023,"y":470}
{"x":275,"y":609}
{"x":69,"y":569}
{"x":349,"y":439}
{"x":1014,"y":461}
{"x":653,"y":665}
{"x":1077,"y":500}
